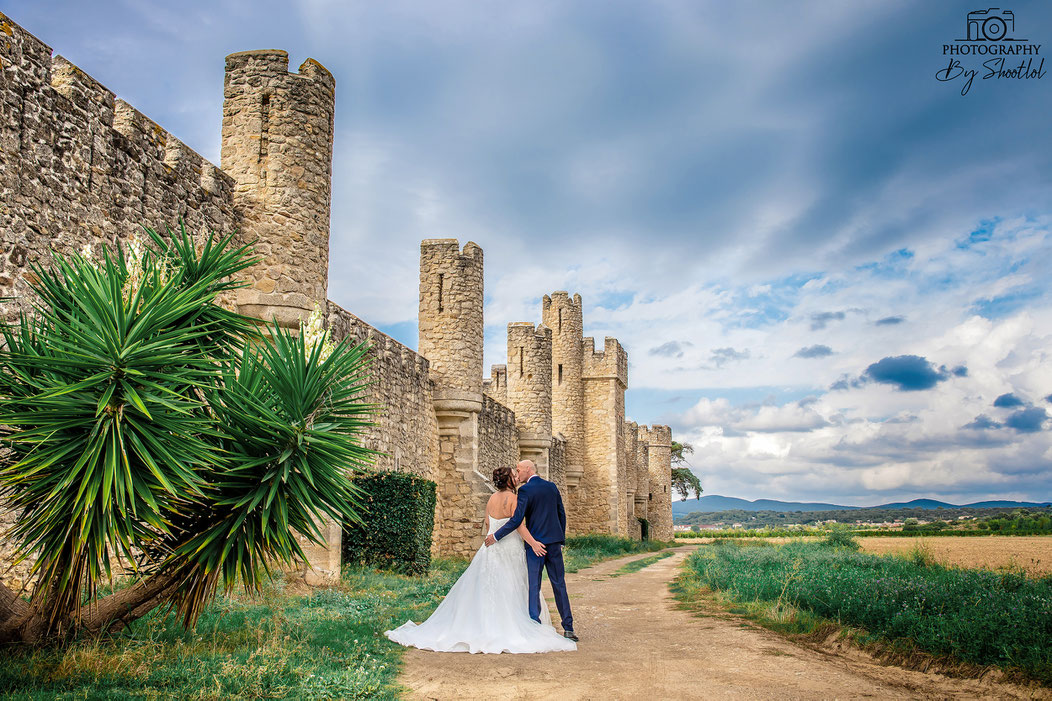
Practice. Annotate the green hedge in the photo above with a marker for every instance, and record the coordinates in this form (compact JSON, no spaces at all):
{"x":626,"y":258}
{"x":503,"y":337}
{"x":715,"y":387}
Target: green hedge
{"x":399,"y":520}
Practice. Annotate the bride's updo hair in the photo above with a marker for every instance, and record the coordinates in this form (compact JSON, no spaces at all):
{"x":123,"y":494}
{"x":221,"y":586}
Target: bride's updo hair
{"x":502,"y":479}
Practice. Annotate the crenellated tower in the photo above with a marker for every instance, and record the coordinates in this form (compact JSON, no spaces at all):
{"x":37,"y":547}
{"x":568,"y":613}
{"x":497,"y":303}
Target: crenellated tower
{"x":604,"y":380}
{"x":529,"y":390}
{"x":277,"y":145}
{"x":451,"y":323}
{"x":562,"y":314}
{"x":659,"y":503}
{"x":451,"y":328}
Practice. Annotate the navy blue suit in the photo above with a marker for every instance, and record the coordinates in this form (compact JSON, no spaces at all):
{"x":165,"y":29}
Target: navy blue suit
{"x":541,"y":506}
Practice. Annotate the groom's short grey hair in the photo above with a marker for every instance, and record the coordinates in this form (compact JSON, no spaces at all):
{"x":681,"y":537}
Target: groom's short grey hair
{"x":527,"y":464}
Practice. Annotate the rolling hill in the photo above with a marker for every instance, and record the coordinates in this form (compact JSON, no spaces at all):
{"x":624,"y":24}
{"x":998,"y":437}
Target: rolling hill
{"x":714,"y":502}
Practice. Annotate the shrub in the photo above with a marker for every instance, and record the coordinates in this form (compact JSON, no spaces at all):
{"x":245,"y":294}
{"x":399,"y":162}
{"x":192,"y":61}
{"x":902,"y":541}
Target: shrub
{"x":841,"y":538}
{"x":399,"y":520}
{"x":150,"y":426}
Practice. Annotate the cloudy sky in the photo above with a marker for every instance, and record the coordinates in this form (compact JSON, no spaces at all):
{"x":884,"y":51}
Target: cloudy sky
{"x":830,"y":268}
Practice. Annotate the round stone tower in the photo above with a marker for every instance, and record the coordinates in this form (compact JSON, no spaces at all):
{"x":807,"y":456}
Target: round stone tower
{"x":562,"y":314}
{"x":529,"y":390}
{"x":451,"y":317}
{"x":659,"y":507}
{"x":277,"y":145}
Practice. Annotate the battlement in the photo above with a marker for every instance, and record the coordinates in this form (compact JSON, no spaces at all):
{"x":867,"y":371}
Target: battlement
{"x":90,"y":105}
{"x":82,"y":166}
{"x":530,"y":379}
{"x":562,"y":298}
{"x":450,"y":317}
{"x":611,"y":362}
{"x":450,"y":251}
{"x":656,"y":436}
{"x":84,"y":93}
{"x":496,"y":385}
{"x":275,"y":63}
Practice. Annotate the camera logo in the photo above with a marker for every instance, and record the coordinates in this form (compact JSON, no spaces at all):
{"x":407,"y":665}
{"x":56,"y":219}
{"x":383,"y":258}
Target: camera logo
{"x":992,"y":24}
{"x":989,"y":33}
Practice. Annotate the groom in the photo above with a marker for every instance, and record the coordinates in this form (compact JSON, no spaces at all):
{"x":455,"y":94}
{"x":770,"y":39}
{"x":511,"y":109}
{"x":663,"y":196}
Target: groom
{"x":541,"y":505}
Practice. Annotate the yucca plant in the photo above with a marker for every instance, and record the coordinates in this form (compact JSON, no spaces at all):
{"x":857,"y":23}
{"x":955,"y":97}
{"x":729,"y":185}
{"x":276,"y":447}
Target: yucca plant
{"x":147,"y":425}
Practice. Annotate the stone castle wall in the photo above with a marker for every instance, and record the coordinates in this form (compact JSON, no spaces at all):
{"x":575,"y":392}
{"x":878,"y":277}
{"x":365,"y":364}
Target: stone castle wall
{"x":405,"y":430}
{"x":496,"y":385}
{"x":78,"y":166}
{"x":557,"y":465}
{"x":498,"y":438}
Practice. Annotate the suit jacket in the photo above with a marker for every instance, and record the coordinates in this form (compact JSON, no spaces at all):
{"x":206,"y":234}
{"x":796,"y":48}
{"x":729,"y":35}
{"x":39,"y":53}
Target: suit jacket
{"x":541,"y":505}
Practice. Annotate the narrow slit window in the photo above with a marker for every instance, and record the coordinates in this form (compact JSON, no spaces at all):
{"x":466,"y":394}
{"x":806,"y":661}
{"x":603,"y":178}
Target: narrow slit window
{"x":264,"y":121}
{"x":522,"y":362}
{"x":560,"y":373}
{"x":560,"y":321}
{"x":441,"y":284}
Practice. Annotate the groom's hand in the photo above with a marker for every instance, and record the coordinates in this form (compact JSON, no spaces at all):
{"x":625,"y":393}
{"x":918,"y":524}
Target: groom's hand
{"x":490,"y":540}
{"x":538,"y":549}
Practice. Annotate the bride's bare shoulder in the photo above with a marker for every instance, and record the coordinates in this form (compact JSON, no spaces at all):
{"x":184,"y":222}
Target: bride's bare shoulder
{"x":495,"y":504}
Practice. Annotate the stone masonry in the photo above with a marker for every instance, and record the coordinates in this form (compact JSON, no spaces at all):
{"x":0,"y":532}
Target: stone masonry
{"x":79,"y":166}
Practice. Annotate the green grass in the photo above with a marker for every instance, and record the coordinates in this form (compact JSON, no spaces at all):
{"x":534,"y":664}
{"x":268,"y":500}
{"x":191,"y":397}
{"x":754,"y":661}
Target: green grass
{"x":327,"y":643}
{"x":639,"y":564}
{"x":586,"y":550}
{"x":975,"y":616}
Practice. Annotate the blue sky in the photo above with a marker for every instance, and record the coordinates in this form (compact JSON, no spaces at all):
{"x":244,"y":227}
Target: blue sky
{"x":827,"y":265}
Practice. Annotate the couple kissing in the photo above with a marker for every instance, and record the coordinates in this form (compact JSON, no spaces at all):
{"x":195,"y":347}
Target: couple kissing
{"x":496,"y":604}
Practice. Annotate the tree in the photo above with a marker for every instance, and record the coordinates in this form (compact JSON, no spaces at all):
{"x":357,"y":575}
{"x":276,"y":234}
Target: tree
{"x":684,"y":481}
{"x":152,"y":429}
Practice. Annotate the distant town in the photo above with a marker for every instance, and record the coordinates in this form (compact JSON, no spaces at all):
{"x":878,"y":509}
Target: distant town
{"x":991,"y":519}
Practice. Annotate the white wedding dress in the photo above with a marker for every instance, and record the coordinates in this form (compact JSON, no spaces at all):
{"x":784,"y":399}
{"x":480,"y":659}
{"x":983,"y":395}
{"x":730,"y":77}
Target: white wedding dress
{"x":487,"y":609}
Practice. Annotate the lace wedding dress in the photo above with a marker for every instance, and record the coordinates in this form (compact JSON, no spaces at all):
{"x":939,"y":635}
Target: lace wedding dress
{"x":486,"y":610}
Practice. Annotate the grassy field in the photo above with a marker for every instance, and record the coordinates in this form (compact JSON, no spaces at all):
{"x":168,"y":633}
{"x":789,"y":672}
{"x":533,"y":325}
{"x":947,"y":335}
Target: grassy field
{"x":975,"y":616}
{"x":1030,"y":554}
{"x":325,"y":643}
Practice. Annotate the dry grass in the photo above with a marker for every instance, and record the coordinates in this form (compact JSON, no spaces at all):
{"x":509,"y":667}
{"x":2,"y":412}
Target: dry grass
{"x":1030,"y":554}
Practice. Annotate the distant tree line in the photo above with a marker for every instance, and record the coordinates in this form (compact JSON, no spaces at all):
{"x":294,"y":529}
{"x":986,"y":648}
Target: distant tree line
{"x":995,"y":519}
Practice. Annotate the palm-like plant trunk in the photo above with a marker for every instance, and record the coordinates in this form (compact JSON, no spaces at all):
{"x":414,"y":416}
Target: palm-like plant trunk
{"x":21,"y":622}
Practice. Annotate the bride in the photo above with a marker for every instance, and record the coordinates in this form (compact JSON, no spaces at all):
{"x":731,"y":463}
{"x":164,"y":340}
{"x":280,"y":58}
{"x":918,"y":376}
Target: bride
{"x":487,"y":609}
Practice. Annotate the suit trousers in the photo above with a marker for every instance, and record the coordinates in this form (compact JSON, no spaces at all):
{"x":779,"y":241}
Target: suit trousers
{"x":552,"y":561}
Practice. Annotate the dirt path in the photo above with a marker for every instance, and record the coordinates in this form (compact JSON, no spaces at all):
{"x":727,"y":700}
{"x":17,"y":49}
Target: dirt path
{"x":635,"y":644}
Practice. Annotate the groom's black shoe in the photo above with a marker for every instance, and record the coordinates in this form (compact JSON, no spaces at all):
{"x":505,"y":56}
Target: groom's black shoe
{"x":570,"y":635}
